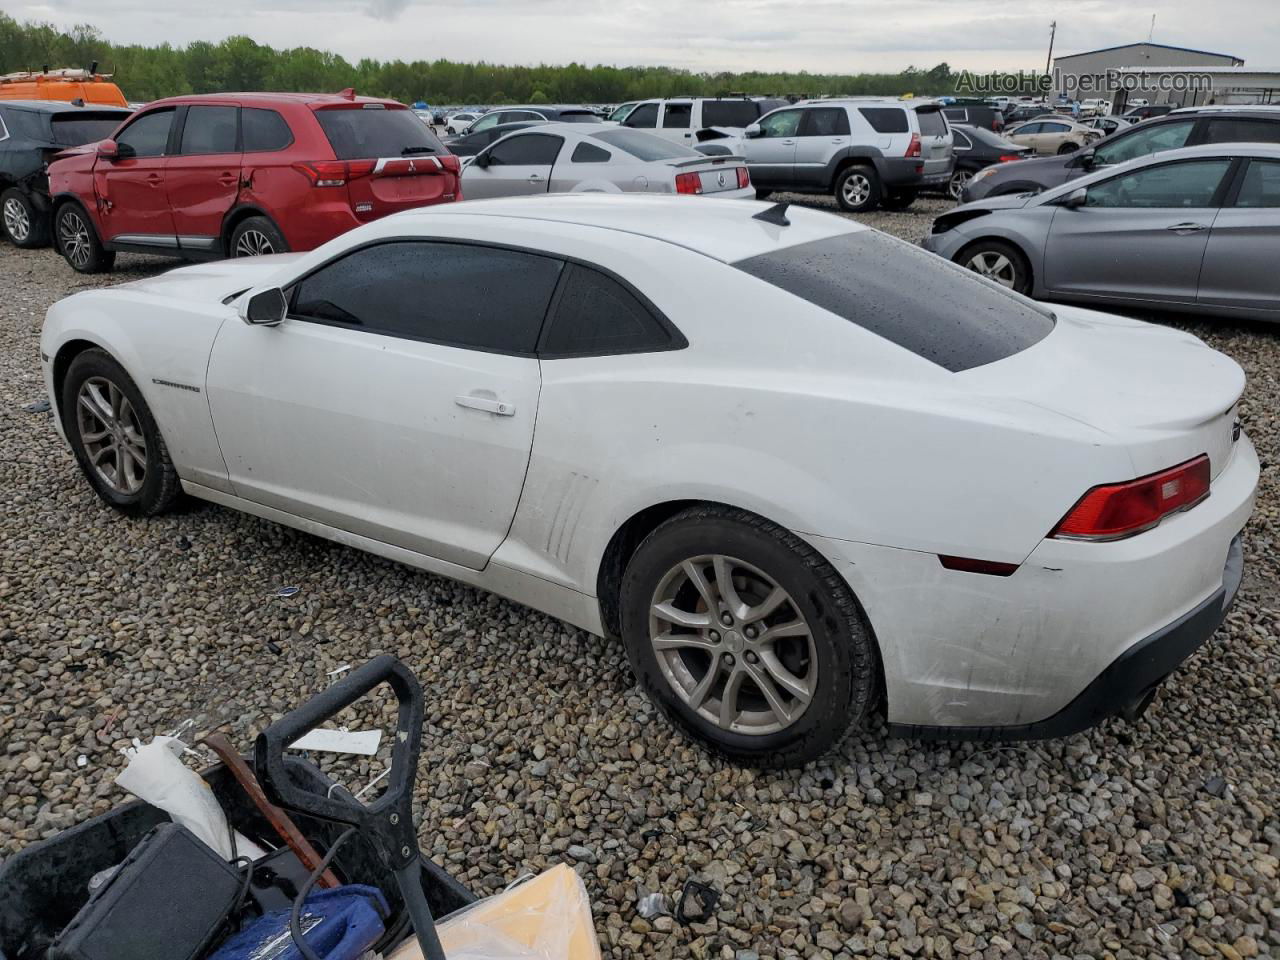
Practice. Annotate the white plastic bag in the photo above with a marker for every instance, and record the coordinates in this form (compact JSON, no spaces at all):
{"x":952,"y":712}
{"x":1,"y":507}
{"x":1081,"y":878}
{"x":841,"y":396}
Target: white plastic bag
{"x":156,"y":775}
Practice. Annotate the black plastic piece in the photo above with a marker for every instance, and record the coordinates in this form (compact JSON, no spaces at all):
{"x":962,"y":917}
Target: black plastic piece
{"x":697,"y":902}
{"x":168,"y":901}
{"x":1127,"y":686}
{"x":776,"y":214}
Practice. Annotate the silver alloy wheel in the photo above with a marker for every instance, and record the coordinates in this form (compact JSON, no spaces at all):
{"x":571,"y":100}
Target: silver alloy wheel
{"x":733,"y":645}
{"x":994,"y":266}
{"x":73,"y":237}
{"x":253,"y":243}
{"x":16,"y":220}
{"x":856,"y":189}
{"x":959,"y":180}
{"x":112,"y":435}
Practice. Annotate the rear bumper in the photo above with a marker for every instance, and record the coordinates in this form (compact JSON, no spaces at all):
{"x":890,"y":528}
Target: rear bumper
{"x":1127,"y":686}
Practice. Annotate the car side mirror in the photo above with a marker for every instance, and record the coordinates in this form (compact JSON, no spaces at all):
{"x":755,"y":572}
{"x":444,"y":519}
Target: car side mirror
{"x":266,"y":308}
{"x":1076,"y":198}
{"x":752,"y":131}
{"x":109,"y":150}
{"x":481,"y":160}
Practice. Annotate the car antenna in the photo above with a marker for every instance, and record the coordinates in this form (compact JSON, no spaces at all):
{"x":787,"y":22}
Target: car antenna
{"x":776,"y":214}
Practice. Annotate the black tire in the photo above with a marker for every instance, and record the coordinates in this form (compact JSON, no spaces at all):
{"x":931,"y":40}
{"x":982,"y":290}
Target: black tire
{"x":898,"y":199}
{"x":842,"y":668}
{"x":24,"y":224}
{"x":763,"y":194}
{"x":256,"y":236}
{"x":858,"y":189}
{"x":77,"y":240}
{"x":1020,"y":276}
{"x":1068,"y":148}
{"x":159,"y":487}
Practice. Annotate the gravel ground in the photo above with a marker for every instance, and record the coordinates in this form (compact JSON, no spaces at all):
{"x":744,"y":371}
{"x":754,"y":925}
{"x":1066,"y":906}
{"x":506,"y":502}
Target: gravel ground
{"x":1154,"y":839}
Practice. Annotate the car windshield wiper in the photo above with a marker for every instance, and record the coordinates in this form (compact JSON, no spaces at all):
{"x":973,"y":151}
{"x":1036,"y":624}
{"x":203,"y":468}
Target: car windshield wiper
{"x":408,"y":150}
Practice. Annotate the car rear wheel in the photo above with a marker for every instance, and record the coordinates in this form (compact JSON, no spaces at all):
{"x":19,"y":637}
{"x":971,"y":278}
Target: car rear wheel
{"x":24,"y":225}
{"x":858,"y":189}
{"x":898,"y":199}
{"x":257,"y":237}
{"x":959,"y":180}
{"x":115,"y":438}
{"x":746,"y":637}
{"x":1068,"y":147}
{"x":998,"y":261}
{"x":78,"y":241}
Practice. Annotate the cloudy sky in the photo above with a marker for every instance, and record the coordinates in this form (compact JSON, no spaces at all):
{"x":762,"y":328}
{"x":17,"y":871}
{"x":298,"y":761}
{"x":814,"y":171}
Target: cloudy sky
{"x":845,"y":36}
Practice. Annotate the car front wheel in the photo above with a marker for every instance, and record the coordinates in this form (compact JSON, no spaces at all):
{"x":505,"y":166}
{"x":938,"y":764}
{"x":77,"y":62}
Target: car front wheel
{"x":959,"y":180}
{"x":78,"y":241}
{"x":746,"y":637}
{"x":998,"y":261}
{"x":115,"y":438}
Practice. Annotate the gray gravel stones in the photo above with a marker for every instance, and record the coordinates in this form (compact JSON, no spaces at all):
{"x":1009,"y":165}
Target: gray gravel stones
{"x":538,"y":749}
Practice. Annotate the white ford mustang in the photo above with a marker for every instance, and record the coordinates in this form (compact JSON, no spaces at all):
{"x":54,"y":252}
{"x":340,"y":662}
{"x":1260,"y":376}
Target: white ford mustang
{"x":798,"y":466}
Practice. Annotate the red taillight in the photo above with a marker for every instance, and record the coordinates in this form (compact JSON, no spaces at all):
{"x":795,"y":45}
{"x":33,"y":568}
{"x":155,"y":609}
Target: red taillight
{"x":744,"y":178}
{"x":1116,"y":510}
{"x":913,"y":148}
{"x":335,"y":173}
{"x":688,"y":183}
{"x":1009,"y":157}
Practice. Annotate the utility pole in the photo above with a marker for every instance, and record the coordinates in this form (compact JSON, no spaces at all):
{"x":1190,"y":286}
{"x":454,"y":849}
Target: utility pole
{"x":1048,"y":61}
{"x":1152,"y":31}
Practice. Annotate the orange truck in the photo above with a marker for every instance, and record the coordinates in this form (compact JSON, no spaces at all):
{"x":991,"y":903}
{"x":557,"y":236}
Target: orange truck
{"x":65,"y":85}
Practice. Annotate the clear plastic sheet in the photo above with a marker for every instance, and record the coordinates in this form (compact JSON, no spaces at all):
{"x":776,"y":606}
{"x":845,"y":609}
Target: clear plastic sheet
{"x":546,"y":918}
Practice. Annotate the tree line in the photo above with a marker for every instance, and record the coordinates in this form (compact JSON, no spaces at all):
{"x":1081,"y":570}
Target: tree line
{"x":239,"y":63}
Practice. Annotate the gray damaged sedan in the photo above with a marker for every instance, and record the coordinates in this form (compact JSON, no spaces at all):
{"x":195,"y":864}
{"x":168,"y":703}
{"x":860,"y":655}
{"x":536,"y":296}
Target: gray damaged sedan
{"x":1196,"y":229}
{"x":576,"y":158}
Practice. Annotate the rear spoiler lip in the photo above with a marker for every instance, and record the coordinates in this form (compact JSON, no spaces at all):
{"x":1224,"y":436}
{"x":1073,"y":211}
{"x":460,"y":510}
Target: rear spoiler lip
{"x":713,"y":159}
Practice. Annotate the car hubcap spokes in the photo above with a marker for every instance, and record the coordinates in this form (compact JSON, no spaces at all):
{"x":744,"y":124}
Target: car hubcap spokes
{"x":74,"y":237}
{"x":253,"y":243}
{"x":733,"y":645}
{"x":958,"y":183}
{"x":856,"y":190}
{"x":112,"y":435}
{"x":16,"y":220}
{"x":994,"y":266}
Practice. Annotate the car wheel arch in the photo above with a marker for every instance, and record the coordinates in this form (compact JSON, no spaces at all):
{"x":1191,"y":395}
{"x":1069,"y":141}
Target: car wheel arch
{"x":236,"y":216}
{"x":1019,"y":247}
{"x":62,"y":360}
{"x":850,"y":158}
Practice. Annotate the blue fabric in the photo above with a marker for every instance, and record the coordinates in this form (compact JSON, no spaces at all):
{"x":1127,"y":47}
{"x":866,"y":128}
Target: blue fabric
{"x":350,"y":923}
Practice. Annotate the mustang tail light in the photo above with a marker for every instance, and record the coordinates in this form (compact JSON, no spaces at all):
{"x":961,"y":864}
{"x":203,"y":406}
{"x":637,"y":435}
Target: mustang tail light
{"x":1116,"y":510}
{"x":335,"y":173}
{"x":913,"y":148}
{"x":744,"y":178}
{"x":688,"y":183}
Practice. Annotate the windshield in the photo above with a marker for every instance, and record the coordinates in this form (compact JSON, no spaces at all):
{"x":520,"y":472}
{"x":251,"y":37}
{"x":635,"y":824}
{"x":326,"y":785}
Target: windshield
{"x":644,"y":146}
{"x":919,"y":301}
{"x":620,"y":113}
{"x":74,"y":129}
{"x":357,"y":133}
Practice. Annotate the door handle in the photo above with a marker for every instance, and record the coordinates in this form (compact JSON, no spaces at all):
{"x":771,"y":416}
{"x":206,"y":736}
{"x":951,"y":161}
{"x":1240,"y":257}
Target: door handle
{"x":837,"y":140}
{"x":1187,"y":227}
{"x":787,"y":143}
{"x":501,"y":407}
{"x":155,"y":179}
{"x":228,"y":179}
{"x":534,"y":178}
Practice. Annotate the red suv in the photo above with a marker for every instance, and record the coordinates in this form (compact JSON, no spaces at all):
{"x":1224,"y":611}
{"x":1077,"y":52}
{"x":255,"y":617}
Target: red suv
{"x":241,"y":174}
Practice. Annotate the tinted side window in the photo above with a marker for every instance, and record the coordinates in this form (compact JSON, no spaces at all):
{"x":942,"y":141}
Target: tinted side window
{"x":586,"y":153}
{"x":148,"y":136}
{"x":957,"y":116}
{"x":931,"y":123}
{"x":733,"y":113}
{"x":961,"y":140}
{"x":1235,"y":130}
{"x":1261,"y":186}
{"x":1190,"y":183}
{"x":783,"y":123}
{"x":923,"y":303}
{"x":595,"y":314}
{"x":1028,"y":128}
{"x":263,"y":130}
{"x":677,"y":116}
{"x":885,"y":119}
{"x":644,"y":116}
{"x":526,"y":150}
{"x":209,"y":130}
{"x":1144,"y":141}
{"x":483,"y":298}
{"x":825,"y":122}
{"x":1054,"y":128}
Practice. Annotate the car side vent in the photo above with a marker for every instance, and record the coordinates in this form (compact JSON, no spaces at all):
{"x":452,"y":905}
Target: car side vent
{"x":777,"y":215}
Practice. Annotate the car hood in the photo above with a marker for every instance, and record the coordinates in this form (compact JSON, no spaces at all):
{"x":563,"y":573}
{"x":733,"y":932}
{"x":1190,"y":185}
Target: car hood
{"x":214,"y":281}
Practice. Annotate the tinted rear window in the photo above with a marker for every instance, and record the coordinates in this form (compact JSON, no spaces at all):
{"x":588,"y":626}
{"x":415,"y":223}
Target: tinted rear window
{"x":919,"y":301}
{"x":931,"y":123}
{"x":729,"y":113}
{"x":578,"y":116}
{"x":73,"y":129}
{"x":885,"y":119}
{"x":644,"y":146}
{"x":357,"y":133}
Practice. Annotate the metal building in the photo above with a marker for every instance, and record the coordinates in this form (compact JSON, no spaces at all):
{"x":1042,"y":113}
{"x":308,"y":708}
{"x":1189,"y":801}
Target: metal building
{"x":1096,"y":73}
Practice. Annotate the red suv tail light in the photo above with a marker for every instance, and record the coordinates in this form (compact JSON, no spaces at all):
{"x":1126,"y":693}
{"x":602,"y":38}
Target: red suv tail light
{"x":688,"y":183}
{"x":1116,"y":510}
{"x":744,"y":178}
{"x":913,"y":148}
{"x":335,"y":173}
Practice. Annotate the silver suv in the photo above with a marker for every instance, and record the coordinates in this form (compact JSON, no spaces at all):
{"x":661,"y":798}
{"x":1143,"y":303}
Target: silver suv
{"x":868,"y":153}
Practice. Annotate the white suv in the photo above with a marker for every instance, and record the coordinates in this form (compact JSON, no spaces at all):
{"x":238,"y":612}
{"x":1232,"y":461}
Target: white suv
{"x":867,"y":152}
{"x":682,"y":119}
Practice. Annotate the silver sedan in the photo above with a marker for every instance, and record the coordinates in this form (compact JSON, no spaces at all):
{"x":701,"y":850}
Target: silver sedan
{"x":1196,"y":229}
{"x":575,"y":158}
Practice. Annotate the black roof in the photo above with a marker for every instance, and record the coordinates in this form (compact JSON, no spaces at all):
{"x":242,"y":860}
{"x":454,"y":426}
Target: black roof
{"x":61,"y":106}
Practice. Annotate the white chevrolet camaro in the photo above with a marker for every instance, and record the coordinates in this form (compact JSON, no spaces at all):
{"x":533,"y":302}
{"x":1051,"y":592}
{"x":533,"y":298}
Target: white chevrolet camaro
{"x":798,"y":466}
